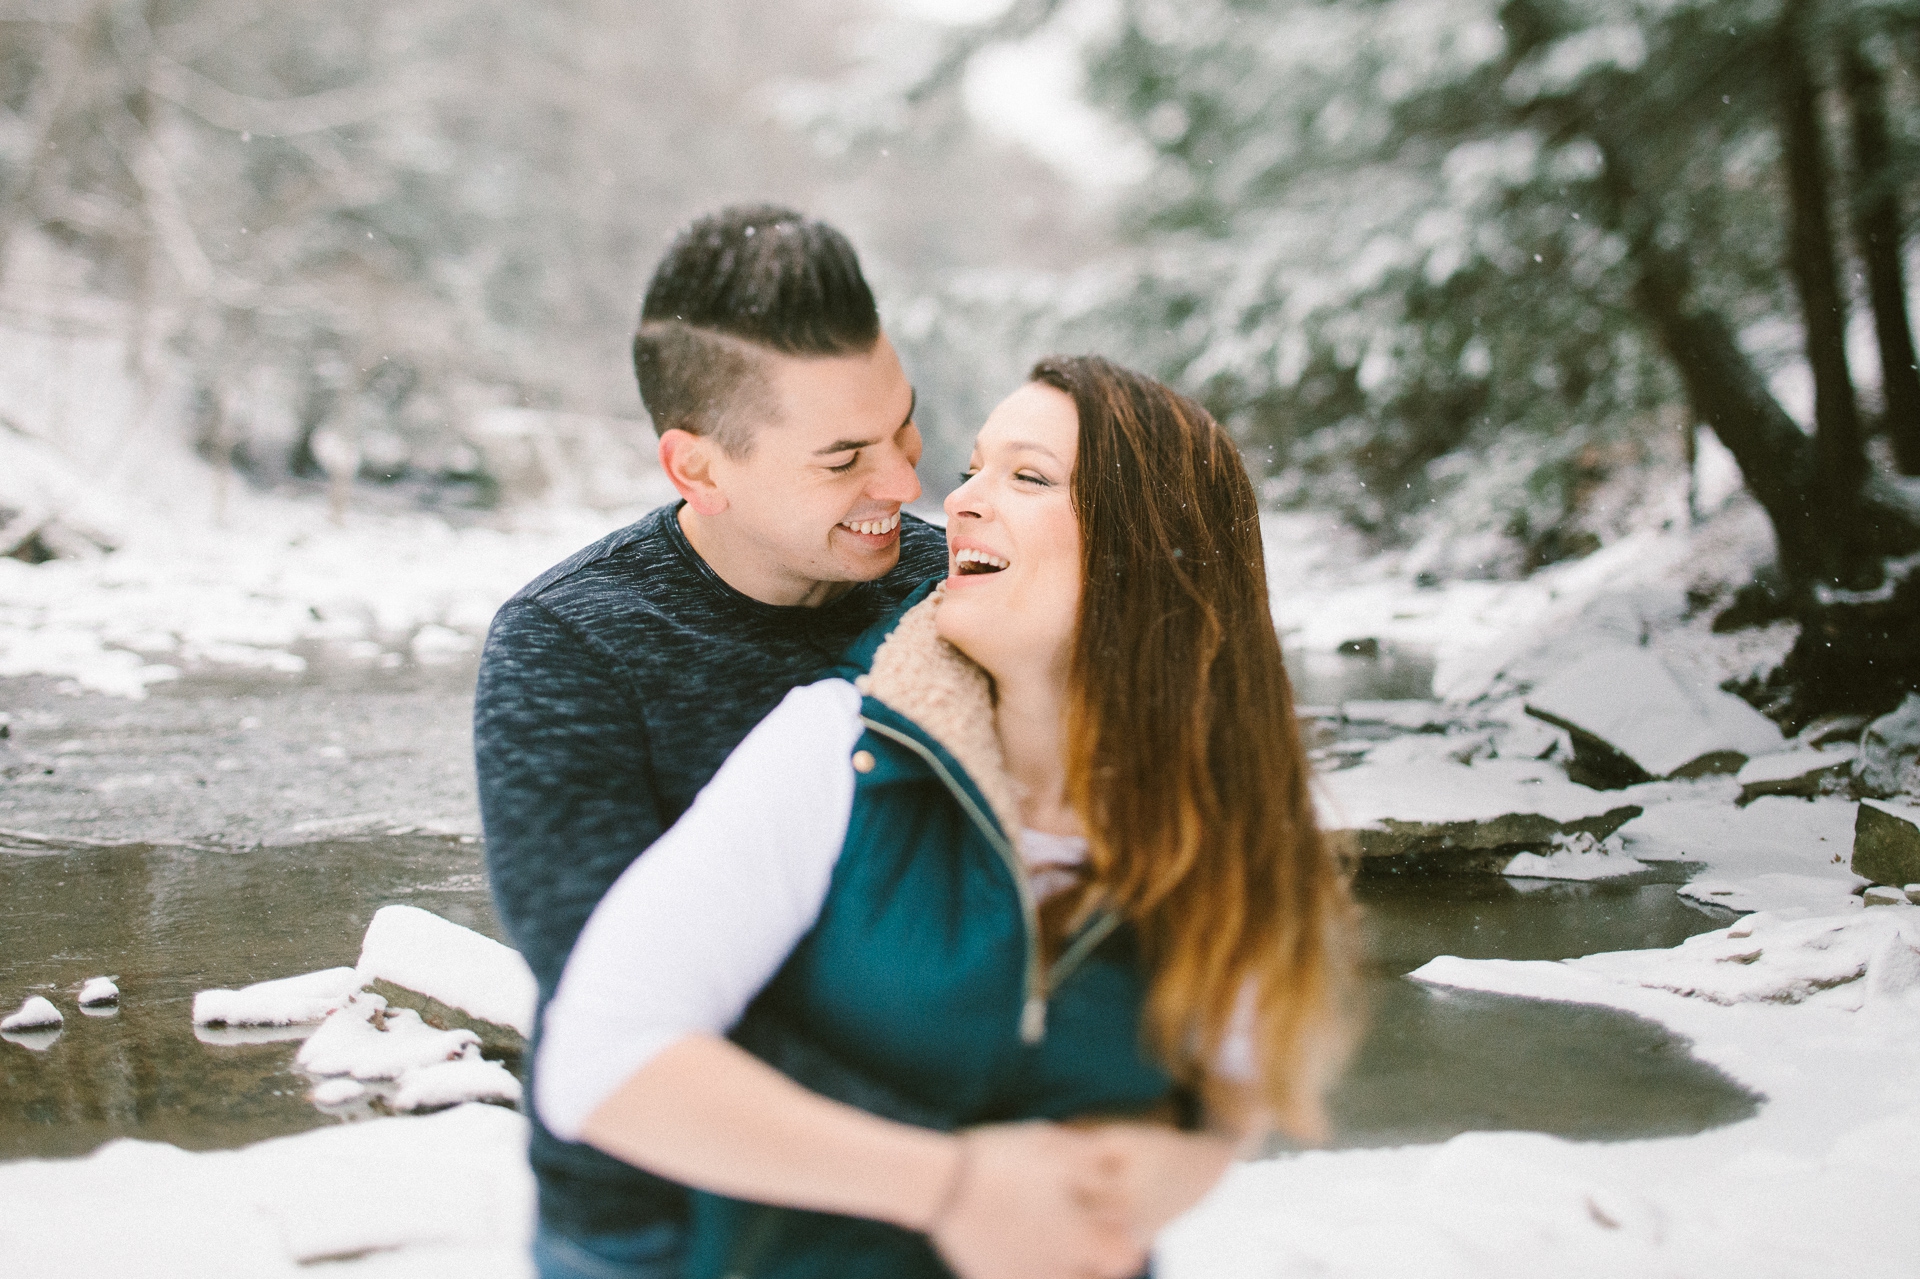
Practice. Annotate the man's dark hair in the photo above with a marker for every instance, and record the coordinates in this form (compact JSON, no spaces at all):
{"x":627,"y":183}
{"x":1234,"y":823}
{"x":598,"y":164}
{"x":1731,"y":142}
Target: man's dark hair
{"x":747,"y":279}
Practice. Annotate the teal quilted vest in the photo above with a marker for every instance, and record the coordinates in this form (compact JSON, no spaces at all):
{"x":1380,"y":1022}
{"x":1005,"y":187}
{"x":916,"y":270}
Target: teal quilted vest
{"x":923,"y":971}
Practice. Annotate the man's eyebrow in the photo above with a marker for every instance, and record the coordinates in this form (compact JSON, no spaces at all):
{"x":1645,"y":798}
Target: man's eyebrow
{"x":847,"y":446}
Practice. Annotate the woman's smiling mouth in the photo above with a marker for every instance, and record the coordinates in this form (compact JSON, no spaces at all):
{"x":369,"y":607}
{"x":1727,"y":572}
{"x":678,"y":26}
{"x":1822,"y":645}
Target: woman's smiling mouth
{"x":969,"y":562}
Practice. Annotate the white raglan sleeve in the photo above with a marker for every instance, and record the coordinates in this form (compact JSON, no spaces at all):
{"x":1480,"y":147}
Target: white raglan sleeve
{"x":701,"y":921}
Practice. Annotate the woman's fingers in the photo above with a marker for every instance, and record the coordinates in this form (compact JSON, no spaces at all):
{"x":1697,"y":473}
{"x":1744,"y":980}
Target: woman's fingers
{"x":1038,"y":1203}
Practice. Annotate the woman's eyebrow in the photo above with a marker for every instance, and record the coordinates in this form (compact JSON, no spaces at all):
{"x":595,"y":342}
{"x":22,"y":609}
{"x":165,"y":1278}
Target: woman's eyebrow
{"x":1030,"y":445}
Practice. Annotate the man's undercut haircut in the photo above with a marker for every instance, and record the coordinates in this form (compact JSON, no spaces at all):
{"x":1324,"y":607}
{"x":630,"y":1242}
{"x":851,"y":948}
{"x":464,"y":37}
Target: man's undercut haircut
{"x":748,"y":279}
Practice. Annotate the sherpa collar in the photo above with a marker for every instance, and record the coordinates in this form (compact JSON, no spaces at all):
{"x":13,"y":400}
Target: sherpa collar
{"x":940,"y":689}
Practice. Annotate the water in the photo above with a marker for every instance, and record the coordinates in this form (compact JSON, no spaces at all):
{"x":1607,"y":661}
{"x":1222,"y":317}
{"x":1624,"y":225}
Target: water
{"x":236,"y":761}
{"x":1436,"y":1062}
{"x":169,"y":921}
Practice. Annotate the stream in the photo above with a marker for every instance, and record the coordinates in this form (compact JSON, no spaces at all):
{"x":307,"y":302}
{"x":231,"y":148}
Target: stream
{"x":84,"y":897}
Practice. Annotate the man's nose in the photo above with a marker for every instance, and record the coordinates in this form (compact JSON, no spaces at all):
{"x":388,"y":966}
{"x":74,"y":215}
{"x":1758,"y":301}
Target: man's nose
{"x":895,"y":480}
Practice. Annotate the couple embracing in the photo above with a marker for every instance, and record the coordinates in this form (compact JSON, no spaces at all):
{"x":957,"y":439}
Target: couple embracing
{"x":982,"y":916}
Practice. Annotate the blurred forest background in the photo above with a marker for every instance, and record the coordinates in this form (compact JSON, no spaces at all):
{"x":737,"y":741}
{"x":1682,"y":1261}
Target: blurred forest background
{"x":1497,"y":281}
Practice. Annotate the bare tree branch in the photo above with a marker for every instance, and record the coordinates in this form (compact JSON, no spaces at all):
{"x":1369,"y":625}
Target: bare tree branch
{"x":287,"y":117}
{"x":1020,"y":21}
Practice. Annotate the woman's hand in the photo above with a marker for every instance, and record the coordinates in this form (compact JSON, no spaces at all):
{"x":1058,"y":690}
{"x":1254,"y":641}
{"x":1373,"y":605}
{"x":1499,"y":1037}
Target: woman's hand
{"x":1157,"y":1173}
{"x":1036,"y":1201}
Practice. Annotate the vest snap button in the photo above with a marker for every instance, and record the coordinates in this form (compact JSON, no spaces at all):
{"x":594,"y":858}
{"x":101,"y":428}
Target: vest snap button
{"x":863,"y":761}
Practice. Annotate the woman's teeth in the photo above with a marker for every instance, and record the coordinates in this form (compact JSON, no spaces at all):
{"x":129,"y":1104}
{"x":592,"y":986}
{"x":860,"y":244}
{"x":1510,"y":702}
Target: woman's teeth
{"x":970,"y":561}
{"x":873,"y":527}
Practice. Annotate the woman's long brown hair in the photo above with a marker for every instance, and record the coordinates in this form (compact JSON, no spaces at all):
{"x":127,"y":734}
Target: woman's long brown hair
{"x":1185,"y":762}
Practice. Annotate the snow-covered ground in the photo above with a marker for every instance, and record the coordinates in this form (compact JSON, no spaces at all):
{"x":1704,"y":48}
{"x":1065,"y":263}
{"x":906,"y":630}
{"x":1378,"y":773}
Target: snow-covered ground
{"x":1820,"y":1181}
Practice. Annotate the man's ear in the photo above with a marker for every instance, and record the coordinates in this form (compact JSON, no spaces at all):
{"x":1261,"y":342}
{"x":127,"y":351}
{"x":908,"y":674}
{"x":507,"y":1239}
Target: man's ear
{"x":688,"y":461}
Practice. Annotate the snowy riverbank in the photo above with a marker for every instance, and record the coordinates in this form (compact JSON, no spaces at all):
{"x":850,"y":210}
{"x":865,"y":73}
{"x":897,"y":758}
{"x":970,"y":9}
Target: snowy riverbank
{"x":1817,"y":1181}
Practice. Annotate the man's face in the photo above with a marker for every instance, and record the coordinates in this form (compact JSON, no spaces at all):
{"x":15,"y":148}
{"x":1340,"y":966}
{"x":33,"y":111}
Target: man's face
{"x":821,"y":488}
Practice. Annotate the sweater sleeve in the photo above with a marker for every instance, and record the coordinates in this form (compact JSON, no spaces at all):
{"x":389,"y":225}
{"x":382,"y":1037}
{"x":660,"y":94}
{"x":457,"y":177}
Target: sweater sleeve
{"x":566,"y":780}
{"x":690,"y":933}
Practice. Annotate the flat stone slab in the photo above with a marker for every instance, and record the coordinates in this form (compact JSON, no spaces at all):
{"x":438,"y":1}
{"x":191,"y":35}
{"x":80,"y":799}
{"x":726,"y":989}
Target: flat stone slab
{"x":1890,"y":751}
{"x":1464,"y":812}
{"x":1886,"y":842}
{"x":1801,"y":773}
{"x":1633,"y":720}
{"x":455,"y":975}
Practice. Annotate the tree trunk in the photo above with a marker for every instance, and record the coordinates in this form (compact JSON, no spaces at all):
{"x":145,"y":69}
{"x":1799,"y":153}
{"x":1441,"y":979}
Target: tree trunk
{"x":1723,"y":390}
{"x":1878,"y":227}
{"x":1840,"y":461}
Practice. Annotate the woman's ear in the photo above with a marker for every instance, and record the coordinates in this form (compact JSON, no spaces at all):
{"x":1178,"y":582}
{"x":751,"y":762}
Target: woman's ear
{"x":688,"y":461}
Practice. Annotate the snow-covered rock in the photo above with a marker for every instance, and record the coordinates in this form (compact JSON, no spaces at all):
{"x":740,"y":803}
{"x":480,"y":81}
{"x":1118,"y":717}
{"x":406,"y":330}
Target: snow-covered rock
{"x":1412,"y":715}
{"x":1881,"y":895}
{"x":367,"y":1040}
{"x":337,"y":1092}
{"x":455,"y":967}
{"x":98,"y":992}
{"x":286,"y":1001}
{"x":1802,"y":772}
{"x":1578,"y":857}
{"x":37,"y":1013}
{"x":1763,"y":958}
{"x":450,"y":1083}
{"x":1886,"y":842}
{"x":1632,"y":719}
{"x":1890,"y":751}
{"x":1439,"y":806}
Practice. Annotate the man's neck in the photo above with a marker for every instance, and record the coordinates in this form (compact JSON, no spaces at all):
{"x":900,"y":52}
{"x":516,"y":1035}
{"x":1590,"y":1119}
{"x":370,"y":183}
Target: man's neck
{"x":749,"y":568}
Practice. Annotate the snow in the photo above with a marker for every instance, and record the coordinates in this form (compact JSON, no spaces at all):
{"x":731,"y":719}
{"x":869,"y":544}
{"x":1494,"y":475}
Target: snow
{"x":1579,"y":857}
{"x":453,"y":1082}
{"x":37,"y":1013}
{"x":1371,"y":794}
{"x":286,"y":1001}
{"x":1890,"y":751}
{"x":1817,"y":1183}
{"x":449,"y":1194}
{"x":1630,"y":699}
{"x":98,"y":991}
{"x":422,"y":952}
{"x":265,"y":577}
{"x":367,"y":1040}
{"x":1789,"y":765}
{"x":337,"y":1092}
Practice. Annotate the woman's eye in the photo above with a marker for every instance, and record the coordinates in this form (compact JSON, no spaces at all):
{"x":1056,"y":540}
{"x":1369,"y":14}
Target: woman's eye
{"x":969,"y":474}
{"x":845,"y":466}
{"x":1032,"y":477}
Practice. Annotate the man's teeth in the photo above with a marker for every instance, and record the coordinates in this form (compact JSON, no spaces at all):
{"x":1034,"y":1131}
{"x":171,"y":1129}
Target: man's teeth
{"x":971,"y":556}
{"x":874,"y":527}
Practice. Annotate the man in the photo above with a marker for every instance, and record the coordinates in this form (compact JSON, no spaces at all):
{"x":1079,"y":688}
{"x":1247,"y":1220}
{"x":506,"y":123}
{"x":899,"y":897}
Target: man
{"x":613,"y":686}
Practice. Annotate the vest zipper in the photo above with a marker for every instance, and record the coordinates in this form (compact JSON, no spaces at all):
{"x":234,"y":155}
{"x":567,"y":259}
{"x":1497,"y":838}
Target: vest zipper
{"x":1033,"y":1013}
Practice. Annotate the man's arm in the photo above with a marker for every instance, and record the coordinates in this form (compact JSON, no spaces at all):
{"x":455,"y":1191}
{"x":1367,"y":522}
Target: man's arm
{"x":565,"y":774}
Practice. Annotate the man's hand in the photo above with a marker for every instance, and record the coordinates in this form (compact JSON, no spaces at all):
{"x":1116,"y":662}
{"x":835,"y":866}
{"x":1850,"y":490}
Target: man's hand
{"x":1035,"y":1201}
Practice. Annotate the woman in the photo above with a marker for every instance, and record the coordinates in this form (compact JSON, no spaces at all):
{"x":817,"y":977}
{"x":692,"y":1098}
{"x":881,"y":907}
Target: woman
{"x":1047,"y":855}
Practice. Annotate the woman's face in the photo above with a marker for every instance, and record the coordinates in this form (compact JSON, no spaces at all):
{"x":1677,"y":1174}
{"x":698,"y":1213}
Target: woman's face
{"x":1013,"y":542}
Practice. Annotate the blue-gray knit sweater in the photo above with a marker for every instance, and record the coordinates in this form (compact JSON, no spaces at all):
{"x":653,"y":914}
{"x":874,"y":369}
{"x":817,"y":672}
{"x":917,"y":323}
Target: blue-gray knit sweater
{"x":610,"y":690}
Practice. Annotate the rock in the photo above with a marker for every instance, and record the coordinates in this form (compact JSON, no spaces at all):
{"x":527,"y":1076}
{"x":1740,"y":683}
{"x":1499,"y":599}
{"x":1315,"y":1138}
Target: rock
{"x":1576,"y":857}
{"x":1886,"y":842}
{"x":1476,"y":816}
{"x":287,"y":1001}
{"x":1890,"y":752}
{"x":451,"y":1083}
{"x":37,"y":1013}
{"x":1413,"y":716}
{"x":1913,"y":893}
{"x":454,"y":977}
{"x":367,"y":1040}
{"x":1633,"y":720}
{"x":1802,"y":773}
{"x":98,"y":993}
{"x":1881,"y":895}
